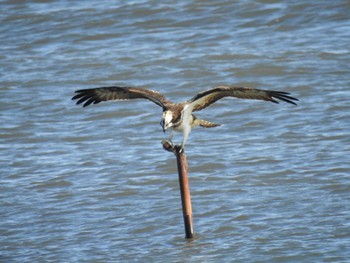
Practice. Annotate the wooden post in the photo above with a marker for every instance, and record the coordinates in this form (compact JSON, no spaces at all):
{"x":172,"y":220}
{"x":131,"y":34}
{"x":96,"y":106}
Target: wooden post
{"x":182,"y":168}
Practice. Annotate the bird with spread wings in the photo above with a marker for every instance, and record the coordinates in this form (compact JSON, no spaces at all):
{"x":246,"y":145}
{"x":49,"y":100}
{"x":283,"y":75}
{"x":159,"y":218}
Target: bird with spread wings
{"x":179,"y":116}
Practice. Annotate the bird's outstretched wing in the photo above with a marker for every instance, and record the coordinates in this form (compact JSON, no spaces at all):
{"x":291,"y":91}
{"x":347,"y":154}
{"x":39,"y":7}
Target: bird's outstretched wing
{"x":88,"y":96}
{"x":206,"y":98}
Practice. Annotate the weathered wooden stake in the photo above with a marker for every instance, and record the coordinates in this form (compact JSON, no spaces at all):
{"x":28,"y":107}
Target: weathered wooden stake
{"x":182,"y":168}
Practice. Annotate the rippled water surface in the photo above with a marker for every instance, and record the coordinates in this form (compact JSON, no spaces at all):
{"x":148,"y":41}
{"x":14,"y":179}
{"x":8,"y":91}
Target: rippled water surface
{"x":95,"y":185}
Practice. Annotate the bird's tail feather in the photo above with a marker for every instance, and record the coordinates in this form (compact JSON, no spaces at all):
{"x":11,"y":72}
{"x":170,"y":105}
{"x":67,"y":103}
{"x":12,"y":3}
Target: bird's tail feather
{"x":204,"y":123}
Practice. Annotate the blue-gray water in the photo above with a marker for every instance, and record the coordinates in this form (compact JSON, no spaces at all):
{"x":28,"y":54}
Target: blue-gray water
{"x":95,"y":185}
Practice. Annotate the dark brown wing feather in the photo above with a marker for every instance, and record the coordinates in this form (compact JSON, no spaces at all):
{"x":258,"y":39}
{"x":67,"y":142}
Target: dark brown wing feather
{"x":206,"y":98}
{"x":96,"y":95}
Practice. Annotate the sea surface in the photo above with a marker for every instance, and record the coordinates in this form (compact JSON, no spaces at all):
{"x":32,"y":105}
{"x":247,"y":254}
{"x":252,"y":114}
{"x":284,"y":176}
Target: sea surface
{"x":272,"y":184}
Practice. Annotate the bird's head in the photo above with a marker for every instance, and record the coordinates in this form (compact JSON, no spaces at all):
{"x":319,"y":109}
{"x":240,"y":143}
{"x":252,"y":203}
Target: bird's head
{"x":166,"y":121}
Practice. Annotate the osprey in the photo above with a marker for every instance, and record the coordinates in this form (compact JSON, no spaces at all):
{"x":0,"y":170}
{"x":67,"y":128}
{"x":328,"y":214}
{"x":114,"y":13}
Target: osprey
{"x":179,"y":116}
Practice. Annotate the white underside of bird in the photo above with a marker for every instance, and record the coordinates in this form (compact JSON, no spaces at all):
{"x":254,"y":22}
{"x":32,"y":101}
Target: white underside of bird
{"x":185,"y":126}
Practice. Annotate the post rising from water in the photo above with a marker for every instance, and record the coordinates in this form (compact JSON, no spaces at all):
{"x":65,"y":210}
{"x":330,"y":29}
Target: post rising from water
{"x":182,"y":168}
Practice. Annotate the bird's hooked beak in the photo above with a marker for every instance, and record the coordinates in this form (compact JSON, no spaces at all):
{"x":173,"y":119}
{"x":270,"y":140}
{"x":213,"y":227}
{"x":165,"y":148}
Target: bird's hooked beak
{"x":162,"y":123}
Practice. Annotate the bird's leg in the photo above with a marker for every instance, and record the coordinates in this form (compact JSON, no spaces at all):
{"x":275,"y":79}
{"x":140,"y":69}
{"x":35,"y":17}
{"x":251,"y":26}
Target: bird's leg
{"x":181,"y":149}
{"x":171,"y":136}
{"x":182,"y":146}
{"x":168,"y":143}
{"x":186,"y":132}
